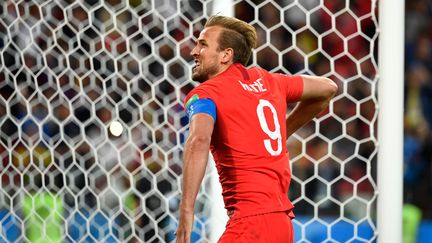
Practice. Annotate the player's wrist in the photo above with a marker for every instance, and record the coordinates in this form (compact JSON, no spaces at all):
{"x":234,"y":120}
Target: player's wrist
{"x":186,"y":209}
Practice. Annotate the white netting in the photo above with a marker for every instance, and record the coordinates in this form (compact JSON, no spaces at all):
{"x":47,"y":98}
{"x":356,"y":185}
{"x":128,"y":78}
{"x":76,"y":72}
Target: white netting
{"x":69,"y":68}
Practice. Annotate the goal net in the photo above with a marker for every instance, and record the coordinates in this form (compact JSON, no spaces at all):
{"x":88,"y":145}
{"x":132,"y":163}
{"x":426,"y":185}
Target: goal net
{"x":68,"y":69}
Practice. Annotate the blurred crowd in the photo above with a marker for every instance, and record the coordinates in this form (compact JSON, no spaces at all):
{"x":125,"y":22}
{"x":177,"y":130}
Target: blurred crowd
{"x":418,"y":106}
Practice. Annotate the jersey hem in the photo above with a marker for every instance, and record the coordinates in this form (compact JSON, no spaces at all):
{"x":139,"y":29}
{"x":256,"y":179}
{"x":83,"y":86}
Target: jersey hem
{"x":235,"y":215}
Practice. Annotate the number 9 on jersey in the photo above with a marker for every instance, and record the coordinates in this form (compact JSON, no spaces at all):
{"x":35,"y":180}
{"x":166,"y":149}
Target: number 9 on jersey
{"x":273,"y":135}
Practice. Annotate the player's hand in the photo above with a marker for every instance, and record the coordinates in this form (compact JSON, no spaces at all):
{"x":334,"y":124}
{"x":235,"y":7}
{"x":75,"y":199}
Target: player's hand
{"x":184,"y":229}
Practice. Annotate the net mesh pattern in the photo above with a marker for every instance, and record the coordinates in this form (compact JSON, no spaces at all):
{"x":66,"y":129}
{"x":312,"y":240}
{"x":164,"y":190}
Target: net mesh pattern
{"x":68,"y":69}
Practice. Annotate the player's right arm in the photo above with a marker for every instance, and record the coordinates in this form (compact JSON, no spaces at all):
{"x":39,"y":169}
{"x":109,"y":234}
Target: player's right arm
{"x":316,"y":95}
{"x":202,"y":116}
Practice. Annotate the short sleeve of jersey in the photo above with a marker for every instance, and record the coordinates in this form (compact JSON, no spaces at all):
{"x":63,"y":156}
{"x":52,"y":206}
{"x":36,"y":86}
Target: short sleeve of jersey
{"x":198,"y":101}
{"x":292,"y":86}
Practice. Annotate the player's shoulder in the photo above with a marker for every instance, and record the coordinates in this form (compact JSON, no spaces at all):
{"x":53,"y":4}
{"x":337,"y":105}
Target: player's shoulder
{"x":261,"y":73}
{"x":276,"y":76}
{"x":258,"y":69}
{"x":203,"y":90}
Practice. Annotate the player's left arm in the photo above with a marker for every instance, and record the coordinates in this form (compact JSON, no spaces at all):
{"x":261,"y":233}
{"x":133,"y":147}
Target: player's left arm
{"x":316,"y":95}
{"x":196,"y":151}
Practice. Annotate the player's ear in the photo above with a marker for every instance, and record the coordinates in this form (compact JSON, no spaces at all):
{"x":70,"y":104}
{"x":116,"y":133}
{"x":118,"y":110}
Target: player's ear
{"x":228,"y":55}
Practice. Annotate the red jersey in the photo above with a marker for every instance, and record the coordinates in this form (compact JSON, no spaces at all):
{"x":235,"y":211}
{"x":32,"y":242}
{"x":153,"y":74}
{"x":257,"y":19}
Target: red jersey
{"x":249,"y":138}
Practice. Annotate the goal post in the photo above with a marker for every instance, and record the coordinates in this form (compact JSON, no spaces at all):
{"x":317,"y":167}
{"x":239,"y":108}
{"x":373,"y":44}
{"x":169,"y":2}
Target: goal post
{"x":70,"y":69}
{"x":390,"y":120}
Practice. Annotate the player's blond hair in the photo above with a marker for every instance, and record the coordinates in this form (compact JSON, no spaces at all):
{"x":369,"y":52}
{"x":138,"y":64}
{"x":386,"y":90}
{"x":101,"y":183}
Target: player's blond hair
{"x":237,"y":34}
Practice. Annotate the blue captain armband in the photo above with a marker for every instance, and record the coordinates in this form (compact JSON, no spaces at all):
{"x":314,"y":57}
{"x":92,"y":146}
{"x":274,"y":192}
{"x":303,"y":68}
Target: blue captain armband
{"x":196,"y":105}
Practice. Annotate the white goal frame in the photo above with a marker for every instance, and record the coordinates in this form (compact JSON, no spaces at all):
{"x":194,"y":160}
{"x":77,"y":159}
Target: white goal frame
{"x":390,"y":120}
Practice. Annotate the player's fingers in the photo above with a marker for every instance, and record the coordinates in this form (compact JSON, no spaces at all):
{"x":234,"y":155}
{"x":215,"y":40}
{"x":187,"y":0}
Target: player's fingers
{"x":182,"y":237}
{"x":182,"y":240}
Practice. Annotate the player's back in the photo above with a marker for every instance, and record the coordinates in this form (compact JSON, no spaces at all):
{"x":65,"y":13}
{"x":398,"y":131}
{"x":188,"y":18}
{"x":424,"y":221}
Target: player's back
{"x":251,"y":111}
{"x":248,"y":142}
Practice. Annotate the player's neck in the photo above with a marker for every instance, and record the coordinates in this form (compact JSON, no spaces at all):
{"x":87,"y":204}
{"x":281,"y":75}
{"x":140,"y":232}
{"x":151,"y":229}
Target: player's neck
{"x":223,"y":68}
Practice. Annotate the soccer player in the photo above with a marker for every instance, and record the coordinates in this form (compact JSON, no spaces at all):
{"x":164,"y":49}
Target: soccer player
{"x":239,"y":115}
